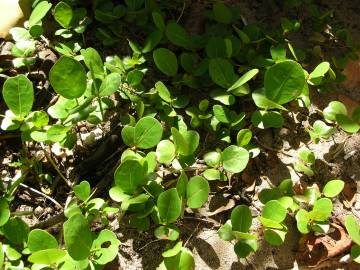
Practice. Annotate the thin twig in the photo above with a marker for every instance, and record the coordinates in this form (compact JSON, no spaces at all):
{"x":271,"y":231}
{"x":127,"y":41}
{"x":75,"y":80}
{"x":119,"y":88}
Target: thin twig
{"x":182,"y":12}
{"x":56,"y":168}
{"x":192,"y":234}
{"x":42,"y":194}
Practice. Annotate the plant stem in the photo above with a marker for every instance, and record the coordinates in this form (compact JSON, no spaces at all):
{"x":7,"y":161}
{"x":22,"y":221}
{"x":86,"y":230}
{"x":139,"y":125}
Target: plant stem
{"x":48,"y":157}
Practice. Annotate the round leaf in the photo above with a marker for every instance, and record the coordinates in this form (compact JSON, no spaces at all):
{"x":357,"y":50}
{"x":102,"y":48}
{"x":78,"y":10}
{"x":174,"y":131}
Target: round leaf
{"x":274,"y":237}
{"x":63,"y":14}
{"x":333,"y":188}
{"x":243,"y":137}
{"x":41,"y":240}
{"x":244,"y":247}
{"x":197,"y":192}
{"x":222,"y":72}
{"x":104,"y":255}
{"x":78,"y":237}
{"x":334,"y":108}
{"x":178,"y":35}
{"x":274,"y":210}
{"x":166,"y":61}
{"x":321,"y":210}
{"x":18,"y":94}
{"x":169,"y":205}
{"x":165,"y":151}
{"x":347,"y":124}
{"x":235,"y":159}
{"x":110,"y":84}
{"x":129,"y":175}
{"x":68,"y":78}
{"x":82,"y":190}
{"x":148,"y":132}
{"x":284,"y":81}
{"x":353,"y":229}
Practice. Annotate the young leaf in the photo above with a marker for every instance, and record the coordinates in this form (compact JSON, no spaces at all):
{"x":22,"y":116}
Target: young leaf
{"x":40,"y":240}
{"x":284,"y":81}
{"x":68,"y":78}
{"x":243,"y":137}
{"x":212,"y":159}
{"x":165,"y":151}
{"x":186,"y":142}
{"x":225,"y":232}
{"x":93,"y":62}
{"x":163,"y":91}
{"x":18,"y":94}
{"x":221,"y":72}
{"x":333,"y":188}
{"x":129,"y":176}
{"x":306,"y":155}
{"x":166,"y":61}
{"x":152,"y":41}
{"x":82,"y":190}
{"x":347,"y":124}
{"x":173,"y":251}
{"x":39,"y":12}
{"x":78,"y":237}
{"x":302,"y":221}
{"x":321,"y":210}
{"x":244,"y":79}
{"x":47,"y":256}
{"x":169,"y":205}
{"x":235,"y":159}
{"x":110,"y":84}
{"x":197,"y":192}
{"x":334,"y":108}
{"x":241,"y":218}
{"x":319,"y":72}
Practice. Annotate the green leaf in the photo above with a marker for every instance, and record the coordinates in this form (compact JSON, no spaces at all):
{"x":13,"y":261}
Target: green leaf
{"x":353,"y":229}
{"x":333,"y":188}
{"x":78,"y":237}
{"x":186,"y":142}
{"x":82,"y":190}
{"x":178,"y":35}
{"x":235,"y":159}
{"x":129,"y":176}
{"x":163,"y":91}
{"x":182,"y":261}
{"x":222,"y":114}
{"x":63,"y":14}
{"x":284,"y":81}
{"x":41,"y":240}
{"x":263,"y":102}
{"x":214,"y":174}
{"x":243,"y":137}
{"x":110,"y":84}
{"x":274,"y":237}
{"x":321,"y":210}
{"x":222,"y":13}
{"x":47,"y":256}
{"x":216,"y":48}
{"x":117,"y":194}
{"x":334,"y":108}
{"x":241,"y":218}
{"x":222,"y":72}
{"x":355,"y":253}
{"x":319,"y":72}
{"x":244,"y":79}
{"x":197,"y":192}
{"x":347,"y":124}
{"x":225,"y":232}
{"x":68,"y":78}
{"x":182,"y":184}
{"x":274,"y":210}
{"x":18,"y":95}
{"x":152,"y":41}
{"x":267,"y":119}
{"x":105,"y":254}
{"x":148,"y":132}
{"x":166,"y":61}
{"x":16,"y":231}
{"x":165,"y":151}
{"x":169,"y":205}
{"x":278,"y":53}
{"x":244,"y":247}
{"x":39,"y":13}
{"x":302,"y":221}
{"x":168,"y":232}
{"x":4,"y":211}
{"x":306,"y":155}
{"x":212,"y":159}
{"x":93,"y":62}
{"x":173,"y":251}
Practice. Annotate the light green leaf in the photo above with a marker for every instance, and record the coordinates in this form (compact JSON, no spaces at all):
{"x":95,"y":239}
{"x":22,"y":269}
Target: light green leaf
{"x":334,"y":108}
{"x":302,"y":221}
{"x":63,"y":14}
{"x":244,"y":247}
{"x":197,"y":192}
{"x":93,"y":62}
{"x":241,"y":218}
{"x":235,"y":159}
{"x":148,"y":132}
{"x":353,"y":229}
{"x":263,"y":102}
{"x":129,"y":176}
{"x":82,"y":190}
{"x":333,"y":188}
{"x":47,"y":256}
{"x":18,"y":95}
{"x":267,"y":119}
{"x":163,"y":91}
{"x":243,"y":137}
{"x":274,"y":210}
{"x":274,"y":237}
{"x":169,"y":205}
{"x":39,"y":12}
{"x":110,"y":84}
{"x":244,"y":79}
{"x":321,"y":210}
{"x":104,"y":255}
{"x":4,"y":211}
{"x":186,"y":142}
{"x":165,"y":151}
{"x":347,"y":124}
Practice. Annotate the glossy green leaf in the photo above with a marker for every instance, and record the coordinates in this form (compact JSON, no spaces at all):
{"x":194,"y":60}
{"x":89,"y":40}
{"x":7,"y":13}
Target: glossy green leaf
{"x":117,"y":194}
{"x":321,"y":210}
{"x":169,"y":205}
{"x":18,"y":94}
{"x":182,"y":261}
{"x":319,"y":72}
{"x":241,"y":218}
{"x":284,"y":81}
{"x":302,"y":221}
{"x":267,"y":119}
{"x":235,"y":159}
{"x":47,"y":256}
{"x":41,"y":240}
{"x":68,"y":78}
{"x":63,"y":14}
{"x":222,"y":72}
{"x":197,"y":192}
{"x":173,"y":251}
{"x":166,"y":61}
{"x":148,"y":132}
{"x":78,"y":237}
{"x":214,"y":174}
{"x":129,"y":176}
{"x":333,"y":188}
{"x":243,"y":137}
